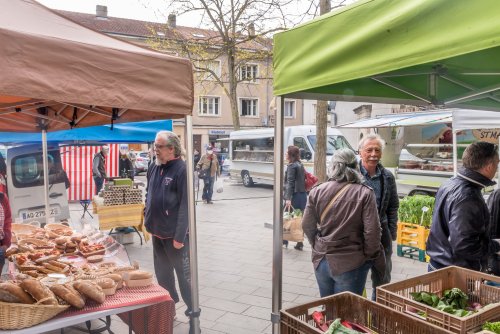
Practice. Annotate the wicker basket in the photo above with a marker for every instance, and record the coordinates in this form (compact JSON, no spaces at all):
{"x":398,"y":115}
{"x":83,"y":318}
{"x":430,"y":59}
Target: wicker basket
{"x":397,"y":296}
{"x":353,"y":308}
{"x":17,"y":316}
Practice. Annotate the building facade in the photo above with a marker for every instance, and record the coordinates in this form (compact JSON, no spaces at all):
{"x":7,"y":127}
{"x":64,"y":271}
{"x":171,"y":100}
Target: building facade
{"x":212,"y":116}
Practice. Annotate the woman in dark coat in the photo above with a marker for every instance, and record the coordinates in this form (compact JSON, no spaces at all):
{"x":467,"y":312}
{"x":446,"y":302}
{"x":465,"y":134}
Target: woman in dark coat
{"x":295,"y":189}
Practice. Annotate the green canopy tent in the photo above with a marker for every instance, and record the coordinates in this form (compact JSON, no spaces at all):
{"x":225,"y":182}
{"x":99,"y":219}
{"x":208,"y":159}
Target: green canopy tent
{"x":436,"y":53}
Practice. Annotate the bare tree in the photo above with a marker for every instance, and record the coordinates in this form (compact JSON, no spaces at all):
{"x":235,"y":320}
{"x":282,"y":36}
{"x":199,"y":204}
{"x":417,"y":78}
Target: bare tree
{"x":236,"y":33}
{"x":325,"y":7}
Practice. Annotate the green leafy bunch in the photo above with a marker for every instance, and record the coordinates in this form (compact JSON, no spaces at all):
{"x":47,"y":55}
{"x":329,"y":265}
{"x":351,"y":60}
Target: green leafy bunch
{"x":410,"y":210}
{"x":454,"y":301}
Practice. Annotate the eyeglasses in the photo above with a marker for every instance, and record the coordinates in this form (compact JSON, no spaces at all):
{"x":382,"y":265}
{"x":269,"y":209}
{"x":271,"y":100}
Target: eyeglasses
{"x":159,"y":147}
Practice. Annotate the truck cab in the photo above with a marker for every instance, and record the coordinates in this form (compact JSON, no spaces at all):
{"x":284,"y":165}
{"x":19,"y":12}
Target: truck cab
{"x":25,"y":184}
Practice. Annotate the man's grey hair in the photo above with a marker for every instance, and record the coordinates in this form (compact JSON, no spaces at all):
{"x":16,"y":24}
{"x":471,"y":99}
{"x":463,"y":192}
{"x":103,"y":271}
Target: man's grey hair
{"x":369,"y":137}
{"x":171,"y":140}
{"x":345,"y":167}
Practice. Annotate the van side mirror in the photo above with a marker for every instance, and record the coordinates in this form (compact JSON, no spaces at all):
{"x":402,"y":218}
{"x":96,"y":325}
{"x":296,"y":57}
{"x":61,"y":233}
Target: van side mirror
{"x":305,"y":155}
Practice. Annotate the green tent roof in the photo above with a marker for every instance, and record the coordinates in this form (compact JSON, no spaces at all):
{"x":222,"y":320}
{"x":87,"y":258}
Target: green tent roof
{"x":421,"y":52}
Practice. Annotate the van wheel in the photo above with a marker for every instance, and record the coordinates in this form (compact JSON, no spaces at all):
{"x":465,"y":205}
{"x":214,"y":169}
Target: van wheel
{"x":247,"y":180}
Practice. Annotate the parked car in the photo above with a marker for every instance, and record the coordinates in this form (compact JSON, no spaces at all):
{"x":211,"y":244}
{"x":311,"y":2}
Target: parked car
{"x":141,"y":162}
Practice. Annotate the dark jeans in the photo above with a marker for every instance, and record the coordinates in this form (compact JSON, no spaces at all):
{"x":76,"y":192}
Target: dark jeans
{"x":167,"y":259}
{"x":353,"y":281}
{"x":99,"y":181}
{"x":299,"y":201}
{"x":377,"y":279}
{"x":208,"y":188}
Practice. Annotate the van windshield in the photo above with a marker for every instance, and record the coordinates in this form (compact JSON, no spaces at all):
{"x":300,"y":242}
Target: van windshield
{"x":333,"y":143}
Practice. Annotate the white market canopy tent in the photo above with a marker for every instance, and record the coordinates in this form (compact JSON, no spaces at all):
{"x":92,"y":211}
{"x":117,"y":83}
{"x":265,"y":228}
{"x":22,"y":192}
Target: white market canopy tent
{"x":403,"y":119}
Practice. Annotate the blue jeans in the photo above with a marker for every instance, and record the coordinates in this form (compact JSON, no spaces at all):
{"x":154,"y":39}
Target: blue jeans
{"x":98,"y":184}
{"x":208,"y":188}
{"x":299,"y":201}
{"x":353,"y":281}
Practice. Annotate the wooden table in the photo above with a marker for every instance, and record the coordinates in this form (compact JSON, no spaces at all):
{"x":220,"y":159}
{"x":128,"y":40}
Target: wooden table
{"x":126,"y":215}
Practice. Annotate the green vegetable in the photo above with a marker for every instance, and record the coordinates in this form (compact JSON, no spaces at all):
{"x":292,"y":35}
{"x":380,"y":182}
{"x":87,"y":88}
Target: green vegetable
{"x":428,"y":298}
{"x":456,"y":298}
{"x":492,"y":326}
{"x":410,"y":210}
{"x":336,"y":327}
{"x":454,"y":301}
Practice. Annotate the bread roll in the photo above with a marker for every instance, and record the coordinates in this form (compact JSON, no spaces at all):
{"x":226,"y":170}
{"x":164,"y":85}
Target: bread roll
{"x":11,"y":251}
{"x":117,"y":278}
{"x":13,"y":293}
{"x":40,"y":292}
{"x":90,"y":290}
{"x":71,"y":296}
{"x":106,"y":283}
{"x":61,"y":240}
{"x":137,"y":274}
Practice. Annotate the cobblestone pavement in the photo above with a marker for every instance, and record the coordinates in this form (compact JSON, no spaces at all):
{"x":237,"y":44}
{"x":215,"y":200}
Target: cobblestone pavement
{"x":235,"y":264}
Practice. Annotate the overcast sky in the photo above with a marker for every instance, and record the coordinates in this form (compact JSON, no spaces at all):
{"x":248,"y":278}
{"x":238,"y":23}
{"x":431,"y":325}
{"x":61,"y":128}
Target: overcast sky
{"x":145,"y":10}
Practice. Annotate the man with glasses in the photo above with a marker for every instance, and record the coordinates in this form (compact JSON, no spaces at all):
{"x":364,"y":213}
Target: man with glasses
{"x":459,"y":233}
{"x":383,"y":184}
{"x":166,"y":217}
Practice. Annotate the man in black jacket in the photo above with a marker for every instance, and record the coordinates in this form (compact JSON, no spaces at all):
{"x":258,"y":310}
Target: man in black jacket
{"x":460,"y":222}
{"x":166,"y":217}
{"x":384,"y":185}
{"x":99,"y":168}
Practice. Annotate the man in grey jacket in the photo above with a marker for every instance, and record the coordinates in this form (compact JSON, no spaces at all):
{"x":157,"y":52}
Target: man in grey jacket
{"x":384,"y":185}
{"x":99,"y":168}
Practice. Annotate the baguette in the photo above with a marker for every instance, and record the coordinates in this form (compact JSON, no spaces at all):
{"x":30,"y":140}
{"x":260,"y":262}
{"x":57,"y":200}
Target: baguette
{"x":117,"y":278}
{"x":71,"y":296}
{"x":90,"y":290}
{"x":13,"y":293}
{"x":39,"y":292}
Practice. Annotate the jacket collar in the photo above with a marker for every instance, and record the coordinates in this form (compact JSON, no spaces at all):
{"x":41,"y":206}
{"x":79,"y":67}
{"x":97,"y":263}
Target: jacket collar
{"x":475,"y":177}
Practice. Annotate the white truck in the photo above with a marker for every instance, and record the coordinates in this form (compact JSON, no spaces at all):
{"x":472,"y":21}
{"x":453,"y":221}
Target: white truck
{"x":252,"y":151}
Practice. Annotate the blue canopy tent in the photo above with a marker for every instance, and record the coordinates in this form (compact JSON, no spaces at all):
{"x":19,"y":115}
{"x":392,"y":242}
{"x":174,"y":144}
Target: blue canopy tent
{"x":133,"y":132}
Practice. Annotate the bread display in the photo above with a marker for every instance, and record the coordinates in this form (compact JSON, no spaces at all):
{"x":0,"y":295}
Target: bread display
{"x":90,"y":290}
{"x":39,"y":292}
{"x":67,"y":293}
{"x":107,"y":285}
{"x":13,"y":293}
{"x":117,"y":278}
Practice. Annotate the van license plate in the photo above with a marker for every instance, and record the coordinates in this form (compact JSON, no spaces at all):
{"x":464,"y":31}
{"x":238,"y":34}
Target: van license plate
{"x":39,"y":213}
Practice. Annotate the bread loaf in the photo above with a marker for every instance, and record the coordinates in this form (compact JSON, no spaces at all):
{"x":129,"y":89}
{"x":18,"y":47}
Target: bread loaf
{"x":13,"y":293}
{"x":117,"y":278}
{"x":90,"y":290}
{"x":11,"y":251}
{"x":137,"y":274}
{"x":39,"y":292}
{"x":69,"y":295}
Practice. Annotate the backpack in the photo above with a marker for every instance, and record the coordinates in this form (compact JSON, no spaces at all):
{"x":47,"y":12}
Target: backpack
{"x":310,"y":180}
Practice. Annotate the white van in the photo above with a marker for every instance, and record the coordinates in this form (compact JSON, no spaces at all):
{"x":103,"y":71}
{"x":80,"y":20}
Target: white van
{"x":25,"y":184}
{"x":252,"y":151}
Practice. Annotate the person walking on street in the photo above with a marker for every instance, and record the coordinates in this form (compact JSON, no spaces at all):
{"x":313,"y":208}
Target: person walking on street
{"x":383,"y":184}
{"x":125,"y":167}
{"x":343,"y":228}
{"x":208,"y":167}
{"x":166,"y":217}
{"x":459,"y":234}
{"x":99,"y":168}
{"x":295,"y":195}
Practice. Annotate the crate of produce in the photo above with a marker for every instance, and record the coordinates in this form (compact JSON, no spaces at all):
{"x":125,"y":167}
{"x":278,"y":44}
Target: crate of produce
{"x":478,"y":287}
{"x":412,"y":253}
{"x":354,"y":309}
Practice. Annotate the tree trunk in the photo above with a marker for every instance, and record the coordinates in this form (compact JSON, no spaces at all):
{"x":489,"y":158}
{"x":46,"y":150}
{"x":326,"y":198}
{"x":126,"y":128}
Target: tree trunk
{"x":233,"y":84}
{"x":321,"y":121}
{"x":320,"y":149}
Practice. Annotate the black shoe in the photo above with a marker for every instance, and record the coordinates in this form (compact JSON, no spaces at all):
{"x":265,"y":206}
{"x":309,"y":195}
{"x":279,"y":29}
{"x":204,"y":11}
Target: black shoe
{"x":299,"y":246}
{"x":285,"y":243}
{"x":210,"y":202}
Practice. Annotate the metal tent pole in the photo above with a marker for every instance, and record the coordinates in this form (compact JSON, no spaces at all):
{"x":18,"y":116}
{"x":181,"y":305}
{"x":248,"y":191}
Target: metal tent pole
{"x":193,"y":250}
{"x":455,"y":153}
{"x":278,"y":217}
{"x":45,"y":175}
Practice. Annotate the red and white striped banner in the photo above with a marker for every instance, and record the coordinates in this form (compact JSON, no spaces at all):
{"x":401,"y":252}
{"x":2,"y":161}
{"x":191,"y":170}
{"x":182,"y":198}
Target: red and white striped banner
{"x":77,"y":162}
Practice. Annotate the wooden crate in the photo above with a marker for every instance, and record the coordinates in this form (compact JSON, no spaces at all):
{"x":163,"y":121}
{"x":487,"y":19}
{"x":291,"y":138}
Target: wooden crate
{"x":473,"y":283}
{"x":354,"y":308}
{"x":412,"y":235}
